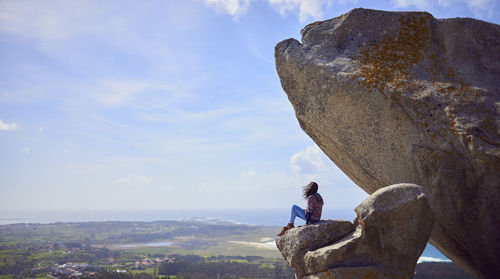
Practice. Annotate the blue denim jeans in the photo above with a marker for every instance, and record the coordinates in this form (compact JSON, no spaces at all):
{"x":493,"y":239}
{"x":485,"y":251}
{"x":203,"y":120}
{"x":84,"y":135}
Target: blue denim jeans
{"x":297,"y":212}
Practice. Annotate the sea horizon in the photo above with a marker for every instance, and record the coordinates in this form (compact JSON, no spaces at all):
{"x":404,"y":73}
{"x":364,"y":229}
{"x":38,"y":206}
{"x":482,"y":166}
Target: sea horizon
{"x":263,"y":217}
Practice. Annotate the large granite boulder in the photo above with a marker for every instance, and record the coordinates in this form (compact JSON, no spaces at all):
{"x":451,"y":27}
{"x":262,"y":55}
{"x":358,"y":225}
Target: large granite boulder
{"x":296,"y":242}
{"x":393,"y":226}
{"x":396,"y":97}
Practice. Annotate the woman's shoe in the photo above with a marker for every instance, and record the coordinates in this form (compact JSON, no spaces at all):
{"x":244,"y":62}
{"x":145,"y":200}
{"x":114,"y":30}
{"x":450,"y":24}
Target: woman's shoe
{"x":285,"y":228}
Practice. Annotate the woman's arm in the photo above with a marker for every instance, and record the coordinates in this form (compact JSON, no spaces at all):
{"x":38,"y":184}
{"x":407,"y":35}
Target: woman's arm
{"x":310,"y":204}
{"x":309,"y":209}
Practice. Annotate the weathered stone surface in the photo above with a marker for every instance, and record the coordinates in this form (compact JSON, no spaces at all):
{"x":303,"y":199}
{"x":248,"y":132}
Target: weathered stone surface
{"x":298,"y":241}
{"x":393,"y":227}
{"x":397,"y":97}
{"x":357,"y":272}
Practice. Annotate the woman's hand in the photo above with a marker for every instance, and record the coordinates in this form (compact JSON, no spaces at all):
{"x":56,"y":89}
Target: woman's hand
{"x":308,"y":218}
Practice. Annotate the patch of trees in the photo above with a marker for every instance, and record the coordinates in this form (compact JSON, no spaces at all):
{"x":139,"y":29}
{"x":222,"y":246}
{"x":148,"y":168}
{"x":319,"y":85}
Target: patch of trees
{"x":73,"y":245}
{"x":192,"y":266}
{"x":247,"y":258}
{"x":140,"y":237}
{"x":114,"y":275}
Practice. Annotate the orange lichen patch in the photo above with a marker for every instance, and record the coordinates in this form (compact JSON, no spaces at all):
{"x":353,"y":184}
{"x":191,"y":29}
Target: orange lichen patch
{"x":392,"y":61}
{"x":391,"y":64}
{"x":434,"y":135}
{"x":340,"y":16}
{"x":451,"y":72}
{"x":454,"y":127}
{"x":311,"y":25}
{"x":412,"y":63}
{"x":470,"y":143}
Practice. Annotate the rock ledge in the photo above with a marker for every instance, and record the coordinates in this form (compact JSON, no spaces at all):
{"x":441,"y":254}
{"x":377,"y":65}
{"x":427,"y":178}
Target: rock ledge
{"x":392,"y":230}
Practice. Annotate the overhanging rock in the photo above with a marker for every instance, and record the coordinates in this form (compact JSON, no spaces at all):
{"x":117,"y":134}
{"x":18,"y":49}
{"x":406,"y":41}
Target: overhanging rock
{"x":397,"y":97}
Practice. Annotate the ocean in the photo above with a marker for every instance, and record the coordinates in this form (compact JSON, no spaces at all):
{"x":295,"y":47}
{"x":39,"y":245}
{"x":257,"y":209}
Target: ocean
{"x":265,"y":217}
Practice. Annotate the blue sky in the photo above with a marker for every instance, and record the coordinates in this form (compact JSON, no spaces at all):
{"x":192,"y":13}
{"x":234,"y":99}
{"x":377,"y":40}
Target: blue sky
{"x":163,"y":104}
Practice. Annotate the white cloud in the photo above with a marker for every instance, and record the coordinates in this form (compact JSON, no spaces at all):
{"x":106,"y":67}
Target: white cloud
{"x":482,"y":7}
{"x":284,"y":6}
{"x":312,"y":164}
{"x":283,"y":187}
{"x":431,"y":259}
{"x":134,"y":180}
{"x":306,"y":8}
{"x":311,"y":161}
{"x":41,"y":129}
{"x":479,"y":8}
{"x":235,"y":8}
{"x":44,"y":19}
{"x":420,"y":4}
{"x":7,"y":126}
{"x":26,"y":150}
{"x":249,"y":174}
{"x":444,"y":3}
{"x":119,"y":92}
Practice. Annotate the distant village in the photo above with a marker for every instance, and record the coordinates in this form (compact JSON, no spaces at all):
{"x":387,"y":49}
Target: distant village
{"x":75,"y":270}
{"x":79,"y":269}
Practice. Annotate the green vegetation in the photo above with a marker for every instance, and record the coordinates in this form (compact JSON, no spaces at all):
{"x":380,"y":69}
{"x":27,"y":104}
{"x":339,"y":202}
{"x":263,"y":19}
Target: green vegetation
{"x":196,"y":250}
{"x":137,"y":250}
{"x":223,"y":267}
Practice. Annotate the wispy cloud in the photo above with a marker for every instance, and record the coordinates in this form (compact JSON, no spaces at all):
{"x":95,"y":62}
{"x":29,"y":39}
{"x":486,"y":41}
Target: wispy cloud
{"x":482,"y":7}
{"x":235,"y":8}
{"x":313,"y":164}
{"x":8,"y":127}
{"x":283,"y":185}
{"x":114,"y":92}
{"x":310,"y":164}
{"x":306,"y":9}
{"x":479,"y":8}
{"x":420,"y":4}
{"x":431,"y":259}
{"x":309,"y":161}
{"x":43,"y":20}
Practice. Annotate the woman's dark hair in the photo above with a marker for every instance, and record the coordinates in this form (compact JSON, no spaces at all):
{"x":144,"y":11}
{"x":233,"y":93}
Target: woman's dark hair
{"x":310,"y":189}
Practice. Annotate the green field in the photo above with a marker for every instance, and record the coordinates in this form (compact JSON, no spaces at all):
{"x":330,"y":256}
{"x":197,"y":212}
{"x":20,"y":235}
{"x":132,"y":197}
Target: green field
{"x":39,"y":250}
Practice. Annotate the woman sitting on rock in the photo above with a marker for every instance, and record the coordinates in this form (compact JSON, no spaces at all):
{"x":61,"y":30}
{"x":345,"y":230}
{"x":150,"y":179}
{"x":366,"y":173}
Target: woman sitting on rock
{"x":312,"y":213}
